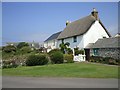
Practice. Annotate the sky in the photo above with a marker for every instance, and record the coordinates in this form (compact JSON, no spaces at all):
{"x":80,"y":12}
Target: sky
{"x":36,"y":21}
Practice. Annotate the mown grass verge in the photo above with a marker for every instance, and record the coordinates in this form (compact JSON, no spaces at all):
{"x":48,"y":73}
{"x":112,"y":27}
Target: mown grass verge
{"x":78,"y":70}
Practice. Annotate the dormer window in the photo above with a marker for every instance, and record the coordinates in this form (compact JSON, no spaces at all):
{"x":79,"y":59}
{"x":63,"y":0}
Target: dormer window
{"x":75,"y":39}
{"x":104,"y":36}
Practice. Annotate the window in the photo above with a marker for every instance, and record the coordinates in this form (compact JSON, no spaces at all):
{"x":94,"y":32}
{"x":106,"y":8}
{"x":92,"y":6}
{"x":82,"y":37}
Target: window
{"x":75,"y":39}
{"x":104,"y":36}
{"x":95,"y":51}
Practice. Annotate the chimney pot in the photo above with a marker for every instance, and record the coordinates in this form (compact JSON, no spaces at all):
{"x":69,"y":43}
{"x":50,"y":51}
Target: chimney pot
{"x":95,"y":13}
{"x":67,"y":22}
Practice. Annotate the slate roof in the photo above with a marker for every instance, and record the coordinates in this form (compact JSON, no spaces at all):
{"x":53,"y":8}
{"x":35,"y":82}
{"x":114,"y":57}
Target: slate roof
{"x":113,"y":42}
{"x":54,"y":36}
{"x":79,"y":27}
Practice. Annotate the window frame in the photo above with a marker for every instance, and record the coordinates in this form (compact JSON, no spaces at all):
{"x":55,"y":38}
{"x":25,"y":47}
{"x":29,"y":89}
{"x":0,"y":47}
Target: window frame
{"x":75,"y":39}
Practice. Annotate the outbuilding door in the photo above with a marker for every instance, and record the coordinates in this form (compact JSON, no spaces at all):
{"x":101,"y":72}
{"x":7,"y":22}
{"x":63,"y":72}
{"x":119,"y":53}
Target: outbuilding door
{"x":87,"y":53}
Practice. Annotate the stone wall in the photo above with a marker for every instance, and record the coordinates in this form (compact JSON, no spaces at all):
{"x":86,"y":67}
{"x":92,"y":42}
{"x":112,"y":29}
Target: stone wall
{"x":109,"y":52}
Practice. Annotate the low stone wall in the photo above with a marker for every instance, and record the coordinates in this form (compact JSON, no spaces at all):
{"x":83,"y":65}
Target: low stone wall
{"x":109,"y":52}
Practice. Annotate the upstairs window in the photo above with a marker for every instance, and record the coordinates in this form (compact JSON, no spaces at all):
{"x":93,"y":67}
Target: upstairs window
{"x":75,"y":39}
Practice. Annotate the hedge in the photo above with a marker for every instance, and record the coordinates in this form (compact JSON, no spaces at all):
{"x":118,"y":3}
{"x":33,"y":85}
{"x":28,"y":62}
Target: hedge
{"x":68,"y":58}
{"x":34,"y":60}
{"x":56,"y":57}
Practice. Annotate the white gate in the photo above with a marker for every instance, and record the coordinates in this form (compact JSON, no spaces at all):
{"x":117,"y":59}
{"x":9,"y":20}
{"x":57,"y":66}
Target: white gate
{"x":79,"y":58}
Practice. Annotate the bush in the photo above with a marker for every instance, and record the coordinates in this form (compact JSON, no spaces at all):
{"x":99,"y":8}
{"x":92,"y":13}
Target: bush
{"x":77,"y":51}
{"x":56,"y":57}
{"x":68,"y":58}
{"x":9,"y":48}
{"x":34,"y":60}
{"x":25,"y":49}
{"x":69,"y":51}
{"x":109,"y":60}
{"x":53,"y":51}
{"x":104,"y":60}
{"x":9,"y":64}
{"x":97,"y":59}
{"x":22,"y":44}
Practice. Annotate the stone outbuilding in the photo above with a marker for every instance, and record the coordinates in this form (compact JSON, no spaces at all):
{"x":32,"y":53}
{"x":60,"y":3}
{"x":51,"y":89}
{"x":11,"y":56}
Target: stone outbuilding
{"x":107,"y":47}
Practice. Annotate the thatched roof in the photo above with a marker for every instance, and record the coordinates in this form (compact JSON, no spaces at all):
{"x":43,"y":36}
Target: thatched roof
{"x":79,"y":27}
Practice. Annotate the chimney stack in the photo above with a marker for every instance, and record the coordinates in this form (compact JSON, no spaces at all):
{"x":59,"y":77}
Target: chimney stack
{"x":67,"y":22}
{"x":95,"y":13}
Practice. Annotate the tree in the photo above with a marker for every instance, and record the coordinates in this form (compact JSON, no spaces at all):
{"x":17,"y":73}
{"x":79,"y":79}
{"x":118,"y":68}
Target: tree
{"x":22,"y":44}
{"x":64,"y":47}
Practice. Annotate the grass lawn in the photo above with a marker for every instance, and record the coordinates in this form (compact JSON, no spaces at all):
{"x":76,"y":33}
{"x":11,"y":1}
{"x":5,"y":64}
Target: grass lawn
{"x":81,"y":70}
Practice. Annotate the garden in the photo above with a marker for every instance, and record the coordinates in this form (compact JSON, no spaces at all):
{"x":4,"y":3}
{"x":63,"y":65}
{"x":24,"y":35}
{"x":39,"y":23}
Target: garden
{"x":24,"y":55}
{"x":23,"y":60}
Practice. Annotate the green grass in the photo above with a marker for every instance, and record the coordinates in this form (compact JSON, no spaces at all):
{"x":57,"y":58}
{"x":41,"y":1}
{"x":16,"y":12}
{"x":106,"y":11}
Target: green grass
{"x":81,"y":70}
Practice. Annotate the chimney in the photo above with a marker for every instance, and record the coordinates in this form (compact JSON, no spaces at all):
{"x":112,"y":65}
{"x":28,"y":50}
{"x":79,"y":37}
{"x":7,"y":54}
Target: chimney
{"x":95,"y":13}
{"x":67,"y":22}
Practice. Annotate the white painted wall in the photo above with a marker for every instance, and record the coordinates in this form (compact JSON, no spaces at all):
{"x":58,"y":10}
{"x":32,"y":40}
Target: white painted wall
{"x":94,"y":33}
{"x":51,"y":43}
{"x":79,"y":42}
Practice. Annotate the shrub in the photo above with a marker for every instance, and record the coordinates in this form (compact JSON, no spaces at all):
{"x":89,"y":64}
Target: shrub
{"x":104,"y":60}
{"x":34,"y":60}
{"x":109,"y":60}
{"x":25,"y":49}
{"x":81,"y":52}
{"x":69,"y":51}
{"x":53,"y":51}
{"x":9,"y":48}
{"x":56,"y":57}
{"x":68,"y":58}
{"x":97,"y":59}
{"x":22,"y":44}
{"x":77,"y":51}
{"x":9,"y":64}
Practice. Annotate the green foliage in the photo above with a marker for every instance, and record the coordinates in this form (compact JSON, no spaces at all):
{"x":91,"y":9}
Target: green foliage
{"x":9,"y":48}
{"x":25,"y":49}
{"x":68,"y":58}
{"x":64,"y":47}
{"x":53,"y":51}
{"x":56,"y":57}
{"x":77,"y":51}
{"x":69,"y":51}
{"x":34,"y":60}
{"x":9,"y":64}
{"x":109,"y":60}
{"x":22,"y":44}
{"x":104,"y":60}
{"x":67,"y":44}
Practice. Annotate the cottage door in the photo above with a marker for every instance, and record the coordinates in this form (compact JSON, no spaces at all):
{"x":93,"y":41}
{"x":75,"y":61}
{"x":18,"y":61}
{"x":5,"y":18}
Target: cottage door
{"x":87,"y":53}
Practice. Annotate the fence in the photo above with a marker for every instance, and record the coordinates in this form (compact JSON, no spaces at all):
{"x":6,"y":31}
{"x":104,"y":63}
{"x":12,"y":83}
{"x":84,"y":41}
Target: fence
{"x":79,"y":58}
